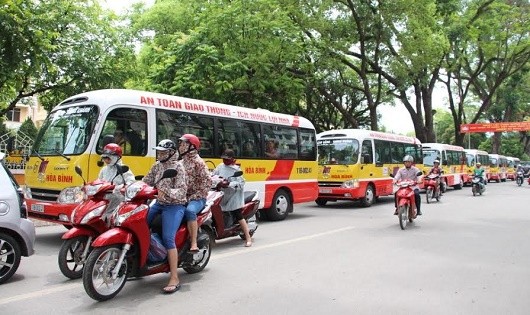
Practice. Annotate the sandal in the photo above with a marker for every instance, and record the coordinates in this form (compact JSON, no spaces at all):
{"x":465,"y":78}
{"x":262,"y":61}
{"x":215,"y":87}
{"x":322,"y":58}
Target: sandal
{"x":171,"y":288}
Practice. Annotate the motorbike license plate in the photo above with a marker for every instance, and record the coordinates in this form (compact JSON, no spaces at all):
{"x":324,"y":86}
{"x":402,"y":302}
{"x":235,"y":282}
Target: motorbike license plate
{"x":37,"y":208}
{"x":324,"y":190}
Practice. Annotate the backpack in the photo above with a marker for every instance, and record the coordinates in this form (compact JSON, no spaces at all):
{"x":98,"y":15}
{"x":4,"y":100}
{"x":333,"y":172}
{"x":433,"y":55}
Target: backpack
{"x":157,"y":251}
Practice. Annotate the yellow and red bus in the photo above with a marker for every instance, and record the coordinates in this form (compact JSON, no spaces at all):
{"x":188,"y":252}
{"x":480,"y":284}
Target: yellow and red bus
{"x":452,"y":161}
{"x":356,"y":164}
{"x":511,"y":169}
{"x":75,"y":131}
{"x":473,"y":156}
{"x":498,"y":167}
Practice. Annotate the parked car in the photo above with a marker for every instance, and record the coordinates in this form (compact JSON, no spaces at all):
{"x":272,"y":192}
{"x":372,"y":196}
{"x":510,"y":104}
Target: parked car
{"x":17,"y":233}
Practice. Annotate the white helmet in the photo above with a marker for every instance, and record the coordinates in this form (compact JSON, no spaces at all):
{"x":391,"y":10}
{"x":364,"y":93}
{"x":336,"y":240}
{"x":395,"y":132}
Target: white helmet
{"x":408,"y":158}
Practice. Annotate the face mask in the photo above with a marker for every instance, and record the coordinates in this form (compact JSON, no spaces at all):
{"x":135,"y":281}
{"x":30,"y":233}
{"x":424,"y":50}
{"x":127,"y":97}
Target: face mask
{"x":162,"y":155}
{"x":227,"y":161}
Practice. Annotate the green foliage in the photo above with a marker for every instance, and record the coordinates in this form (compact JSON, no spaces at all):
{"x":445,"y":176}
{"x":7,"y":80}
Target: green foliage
{"x":28,"y":128}
{"x":57,"y":48}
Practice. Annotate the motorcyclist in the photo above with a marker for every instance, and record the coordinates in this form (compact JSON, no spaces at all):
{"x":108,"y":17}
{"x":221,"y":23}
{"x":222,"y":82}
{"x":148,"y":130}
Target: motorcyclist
{"x":480,"y":172}
{"x":199,"y":183}
{"x":233,"y":199}
{"x":437,"y":170}
{"x":409,"y":172}
{"x":170,"y":203}
{"x":111,"y":156}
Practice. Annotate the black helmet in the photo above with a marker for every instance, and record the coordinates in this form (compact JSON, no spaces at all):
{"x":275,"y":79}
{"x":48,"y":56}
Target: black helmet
{"x":165,"y":145}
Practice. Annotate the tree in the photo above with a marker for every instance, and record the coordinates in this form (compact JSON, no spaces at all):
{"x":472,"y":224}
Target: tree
{"x":28,"y":129}
{"x":56,"y":48}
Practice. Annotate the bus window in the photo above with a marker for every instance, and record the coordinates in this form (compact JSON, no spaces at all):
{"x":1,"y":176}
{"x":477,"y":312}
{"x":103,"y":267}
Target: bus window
{"x":229,"y":136}
{"x":250,"y":133}
{"x":307,"y":145}
{"x":128,"y":128}
{"x":382,"y":152}
{"x":172,"y":125}
{"x":367,"y":153}
{"x":280,"y":142}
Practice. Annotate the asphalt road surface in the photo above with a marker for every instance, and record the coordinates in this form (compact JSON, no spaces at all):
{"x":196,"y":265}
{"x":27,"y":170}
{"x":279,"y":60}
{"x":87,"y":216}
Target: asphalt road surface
{"x":465,"y":255}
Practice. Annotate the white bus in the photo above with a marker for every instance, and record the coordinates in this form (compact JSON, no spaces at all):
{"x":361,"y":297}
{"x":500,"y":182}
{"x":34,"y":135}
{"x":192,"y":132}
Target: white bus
{"x":76,"y":130}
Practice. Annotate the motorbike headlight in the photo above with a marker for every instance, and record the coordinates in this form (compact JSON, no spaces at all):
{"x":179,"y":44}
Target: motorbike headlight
{"x":354,"y":183}
{"x":120,"y":218}
{"x":94,"y":213}
{"x":132,"y":190}
{"x":71,"y":195}
{"x":91,"y":190}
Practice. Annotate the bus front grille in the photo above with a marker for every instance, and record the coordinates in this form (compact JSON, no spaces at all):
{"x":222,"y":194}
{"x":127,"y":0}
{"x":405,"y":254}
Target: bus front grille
{"x":45,"y":194}
{"x":329,"y":184}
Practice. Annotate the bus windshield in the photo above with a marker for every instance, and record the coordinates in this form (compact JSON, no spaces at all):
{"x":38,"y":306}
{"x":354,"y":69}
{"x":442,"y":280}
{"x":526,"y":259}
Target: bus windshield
{"x":66,"y":131}
{"x":429,"y":156}
{"x":338,"y":151}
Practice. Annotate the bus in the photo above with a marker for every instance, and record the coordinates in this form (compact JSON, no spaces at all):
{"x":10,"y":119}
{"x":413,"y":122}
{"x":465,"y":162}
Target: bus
{"x":75,"y":132}
{"x":357,"y":164}
{"x":511,"y":168}
{"x":452,"y":161}
{"x":473,"y":156}
{"x":498,"y":168}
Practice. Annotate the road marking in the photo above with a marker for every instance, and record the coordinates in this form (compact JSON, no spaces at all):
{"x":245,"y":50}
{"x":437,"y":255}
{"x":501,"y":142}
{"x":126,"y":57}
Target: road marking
{"x":69,"y":286}
{"x":294,"y":240}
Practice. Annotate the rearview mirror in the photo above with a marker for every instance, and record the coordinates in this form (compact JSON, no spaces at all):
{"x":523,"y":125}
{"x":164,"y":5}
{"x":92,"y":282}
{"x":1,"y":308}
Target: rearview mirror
{"x":237,"y":174}
{"x":78,"y":170}
{"x":169,"y":173}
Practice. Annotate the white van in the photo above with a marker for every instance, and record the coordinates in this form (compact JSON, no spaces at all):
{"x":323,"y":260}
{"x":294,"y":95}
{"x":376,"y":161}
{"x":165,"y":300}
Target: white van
{"x":17,"y":233}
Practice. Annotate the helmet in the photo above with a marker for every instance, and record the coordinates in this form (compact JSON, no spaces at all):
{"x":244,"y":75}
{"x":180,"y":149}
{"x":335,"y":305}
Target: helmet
{"x":165,"y":145}
{"x":437,"y":161}
{"x":111,"y":149}
{"x":479,"y":164}
{"x":408,"y":158}
{"x":193,"y":139}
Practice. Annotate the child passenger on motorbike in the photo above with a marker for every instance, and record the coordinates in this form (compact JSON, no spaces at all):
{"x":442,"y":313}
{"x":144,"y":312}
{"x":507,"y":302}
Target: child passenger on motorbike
{"x":409,"y":172}
{"x":170,"y":203}
{"x":111,"y":156}
{"x":199,"y":183}
{"x":233,"y":199}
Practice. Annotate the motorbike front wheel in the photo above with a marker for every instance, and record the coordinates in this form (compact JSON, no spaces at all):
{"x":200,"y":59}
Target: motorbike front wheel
{"x":97,"y":274}
{"x":519,"y":181}
{"x":70,"y":257}
{"x":428,"y":195}
{"x":474,"y":190}
{"x":403,"y":216}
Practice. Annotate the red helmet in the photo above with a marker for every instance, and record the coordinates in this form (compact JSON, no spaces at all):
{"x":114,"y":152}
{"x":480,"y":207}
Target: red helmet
{"x":193,"y":139}
{"x":111,"y":149}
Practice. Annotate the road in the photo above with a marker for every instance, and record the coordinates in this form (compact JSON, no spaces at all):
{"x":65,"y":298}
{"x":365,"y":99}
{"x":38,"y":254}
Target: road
{"x":465,"y":255}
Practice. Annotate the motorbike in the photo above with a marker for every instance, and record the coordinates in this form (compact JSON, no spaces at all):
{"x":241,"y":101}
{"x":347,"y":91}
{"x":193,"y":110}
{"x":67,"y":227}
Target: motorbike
{"x":432,"y":188}
{"x":122,"y":252}
{"x":224,"y":223}
{"x":519,"y":178}
{"x":477,"y":186}
{"x":406,"y":202}
{"x":89,"y":219}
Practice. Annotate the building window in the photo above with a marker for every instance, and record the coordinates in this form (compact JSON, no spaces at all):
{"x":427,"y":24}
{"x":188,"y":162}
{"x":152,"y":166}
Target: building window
{"x":13,"y":115}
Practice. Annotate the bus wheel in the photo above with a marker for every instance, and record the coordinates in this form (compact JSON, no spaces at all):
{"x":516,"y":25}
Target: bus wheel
{"x":458,"y":186}
{"x":280,"y":207}
{"x":369,"y":196}
{"x":321,"y":202}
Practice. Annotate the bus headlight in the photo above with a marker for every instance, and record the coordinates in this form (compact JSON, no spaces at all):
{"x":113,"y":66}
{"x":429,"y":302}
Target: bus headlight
{"x":27,"y":192}
{"x":71,"y":195}
{"x":353,"y":183}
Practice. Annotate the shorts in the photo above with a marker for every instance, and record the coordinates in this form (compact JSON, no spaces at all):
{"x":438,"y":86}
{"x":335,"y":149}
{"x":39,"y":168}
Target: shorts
{"x":193,"y":208}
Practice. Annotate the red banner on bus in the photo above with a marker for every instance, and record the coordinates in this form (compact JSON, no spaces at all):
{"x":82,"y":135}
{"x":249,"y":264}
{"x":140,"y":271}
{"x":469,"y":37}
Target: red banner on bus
{"x":495,"y":127}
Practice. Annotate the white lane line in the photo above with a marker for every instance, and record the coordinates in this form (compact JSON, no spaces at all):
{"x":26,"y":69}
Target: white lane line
{"x":70,"y":286}
{"x":294,"y":240}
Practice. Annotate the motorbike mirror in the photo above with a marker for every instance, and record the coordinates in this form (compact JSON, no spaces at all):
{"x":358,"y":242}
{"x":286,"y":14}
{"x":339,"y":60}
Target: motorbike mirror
{"x":237,"y":174}
{"x":122,"y":168}
{"x":392,"y":175}
{"x":419,"y":173}
{"x":78,"y":170}
{"x":169,"y":173}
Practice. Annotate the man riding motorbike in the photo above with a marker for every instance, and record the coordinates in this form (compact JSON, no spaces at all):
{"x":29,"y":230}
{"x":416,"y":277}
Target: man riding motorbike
{"x":480,"y":172}
{"x":409,"y":172}
{"x":437,"y":170}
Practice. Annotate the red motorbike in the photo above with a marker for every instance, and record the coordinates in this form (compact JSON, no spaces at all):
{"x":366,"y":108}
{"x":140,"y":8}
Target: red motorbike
{"x":432,"y":187}
{"x":122,"y":251}
{"x":89,"y":219}
{"x":406,"y":202}
{"x":224,"y":223}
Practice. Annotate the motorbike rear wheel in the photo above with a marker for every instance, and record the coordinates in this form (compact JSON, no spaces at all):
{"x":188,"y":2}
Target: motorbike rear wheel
{"x":97,"y":274}
{"x":205,"y":251}
{"x":403,"y":216}
{"x":428,"y":194}
{"x":69,"y":259}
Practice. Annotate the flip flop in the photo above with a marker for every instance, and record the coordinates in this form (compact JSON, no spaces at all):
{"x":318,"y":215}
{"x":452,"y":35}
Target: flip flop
{"x":193,"y":251}
{"x":175,"y":288}
{"x":248,"y":244}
